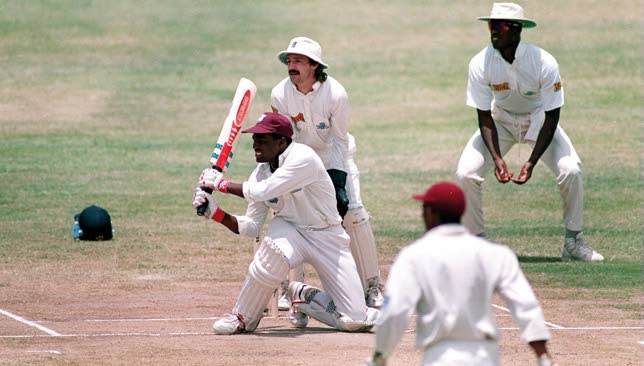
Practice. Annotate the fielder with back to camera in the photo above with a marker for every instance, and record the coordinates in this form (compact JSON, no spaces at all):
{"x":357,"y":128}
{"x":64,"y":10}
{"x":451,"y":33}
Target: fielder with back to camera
{"x":318,"y":107}
{"x":516,"y":90}
{"x":448,"y":277}
{"x":290,"y":180}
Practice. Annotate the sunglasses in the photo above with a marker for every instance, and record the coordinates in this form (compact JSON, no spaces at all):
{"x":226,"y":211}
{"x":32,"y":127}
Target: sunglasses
{"x":502,"y":25}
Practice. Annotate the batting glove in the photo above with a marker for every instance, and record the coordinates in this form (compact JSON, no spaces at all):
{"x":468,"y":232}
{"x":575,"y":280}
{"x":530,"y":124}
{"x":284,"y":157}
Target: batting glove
{"x":212,"y":178}
{"x":213,"y":212}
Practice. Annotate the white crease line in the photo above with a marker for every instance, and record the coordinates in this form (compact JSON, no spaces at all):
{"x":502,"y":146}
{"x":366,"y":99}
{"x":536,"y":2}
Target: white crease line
{"x":30,"y":323}
{"x":46,"y":351}
{"x":174,"y":334}
{"x":552,"y":325}
{"x":148,"y":319}
{"x":603,"y":328}
{"x":268,"y":332}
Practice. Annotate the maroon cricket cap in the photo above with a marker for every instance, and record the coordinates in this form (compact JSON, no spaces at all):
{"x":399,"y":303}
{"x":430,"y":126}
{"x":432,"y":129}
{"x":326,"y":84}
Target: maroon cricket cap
{"x":444,"y":197}
{"x":271,"y":122}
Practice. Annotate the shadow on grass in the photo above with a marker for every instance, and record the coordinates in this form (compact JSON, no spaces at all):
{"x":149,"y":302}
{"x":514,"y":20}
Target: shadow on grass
{"x":528,"y":259}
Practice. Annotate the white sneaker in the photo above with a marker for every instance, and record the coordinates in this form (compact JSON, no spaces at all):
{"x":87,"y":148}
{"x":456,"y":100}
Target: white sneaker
{"x":374,"y":298}
{"x":297,"y":318}
{"x":576,"y":249}
{"x":283,"y":303}
{"x":229,"y":324}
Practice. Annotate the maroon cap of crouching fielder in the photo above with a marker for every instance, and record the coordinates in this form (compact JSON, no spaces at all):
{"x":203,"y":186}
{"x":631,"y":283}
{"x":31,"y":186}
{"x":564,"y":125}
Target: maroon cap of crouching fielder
{"x":271,"y":122}
{"x":444,"y":197}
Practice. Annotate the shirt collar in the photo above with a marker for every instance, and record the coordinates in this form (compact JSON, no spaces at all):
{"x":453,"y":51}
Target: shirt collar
{"x":316,"y":86}
{"x":448,"y":229}
{"x":521,"y":48}
{"x":284,"y":155}
{"x":518,"y":53}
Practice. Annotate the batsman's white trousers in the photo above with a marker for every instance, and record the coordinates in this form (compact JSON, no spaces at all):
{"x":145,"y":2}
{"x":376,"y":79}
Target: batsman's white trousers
{"x":328,"y":252}
{"x":458,"y":353}
{"x":560,"y":157}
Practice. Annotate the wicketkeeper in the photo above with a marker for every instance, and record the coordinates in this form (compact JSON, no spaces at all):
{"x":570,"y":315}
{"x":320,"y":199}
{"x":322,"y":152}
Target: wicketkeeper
{"x":318,"y":106}
{"x":290,"y":180}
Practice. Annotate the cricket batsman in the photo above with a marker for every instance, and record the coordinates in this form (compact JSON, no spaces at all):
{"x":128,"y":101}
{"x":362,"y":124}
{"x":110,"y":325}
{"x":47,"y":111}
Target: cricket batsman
{"x":290,"y":180}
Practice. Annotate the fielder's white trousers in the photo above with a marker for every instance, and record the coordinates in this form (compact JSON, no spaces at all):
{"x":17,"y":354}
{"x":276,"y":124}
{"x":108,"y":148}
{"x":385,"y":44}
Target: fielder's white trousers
{"x":560,"y":157}
{"x":459,"y":353}
{"x":327,"y":251}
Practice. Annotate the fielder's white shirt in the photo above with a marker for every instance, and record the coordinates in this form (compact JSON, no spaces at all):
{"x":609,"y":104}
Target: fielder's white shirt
{"x":448,"y":277}
{"x":300,"y":191}
{"x":320,"y":118}
{"x":518,"y":92}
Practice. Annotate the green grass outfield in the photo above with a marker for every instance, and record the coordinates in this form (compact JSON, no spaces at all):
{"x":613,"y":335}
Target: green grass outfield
{"x":118,"y":103}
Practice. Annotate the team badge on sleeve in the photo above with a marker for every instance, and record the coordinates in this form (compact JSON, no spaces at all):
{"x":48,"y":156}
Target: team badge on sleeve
{"x":557,"y":86}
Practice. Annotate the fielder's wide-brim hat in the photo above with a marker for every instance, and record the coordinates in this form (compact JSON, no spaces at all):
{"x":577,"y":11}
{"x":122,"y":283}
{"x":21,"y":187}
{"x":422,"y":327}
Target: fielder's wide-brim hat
{"x":271,"y":122}
{"x":444,"y":197}
{"x":303,"y":46}
{"x":509,"y":11}
{"x":94,"y":223}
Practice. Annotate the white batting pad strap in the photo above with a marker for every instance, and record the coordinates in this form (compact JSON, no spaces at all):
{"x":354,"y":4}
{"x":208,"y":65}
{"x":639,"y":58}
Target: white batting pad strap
{"x":363,"y":244}
{"x":268,"y":268}
{"x":319,"y":306}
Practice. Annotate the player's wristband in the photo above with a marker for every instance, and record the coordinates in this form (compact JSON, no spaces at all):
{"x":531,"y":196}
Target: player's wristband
{"x":223,"y":185}
{"x":219,"y":215}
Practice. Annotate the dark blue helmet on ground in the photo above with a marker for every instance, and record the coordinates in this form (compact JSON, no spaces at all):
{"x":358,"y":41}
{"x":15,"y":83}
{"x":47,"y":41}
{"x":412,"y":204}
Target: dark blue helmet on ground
{"x":94,"y":223}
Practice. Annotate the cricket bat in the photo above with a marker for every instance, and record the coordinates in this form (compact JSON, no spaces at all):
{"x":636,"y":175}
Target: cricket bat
{"x":223,"y":152}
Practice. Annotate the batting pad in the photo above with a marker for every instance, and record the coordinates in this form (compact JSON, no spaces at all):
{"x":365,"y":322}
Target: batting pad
{"x":362,"y":244}
{"x":319,"y":306}
{"x":265,"y":273}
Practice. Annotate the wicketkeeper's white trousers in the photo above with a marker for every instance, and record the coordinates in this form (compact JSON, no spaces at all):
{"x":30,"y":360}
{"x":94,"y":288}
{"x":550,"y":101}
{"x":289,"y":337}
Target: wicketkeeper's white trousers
{"x":560,"y":157}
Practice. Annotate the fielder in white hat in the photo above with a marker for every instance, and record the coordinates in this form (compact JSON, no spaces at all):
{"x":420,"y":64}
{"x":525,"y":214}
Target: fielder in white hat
{"x":318,"y":107}
{"x":517,"y":92}
{"x":509,"y":11}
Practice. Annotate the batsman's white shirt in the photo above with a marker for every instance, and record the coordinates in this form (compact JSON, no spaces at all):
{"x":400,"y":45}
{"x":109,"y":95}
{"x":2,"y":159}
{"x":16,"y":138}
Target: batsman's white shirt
{"x":300,"y":191}
{"x":517,"y":93}
{"x":320,"y":118}
{"x":448,"y":277}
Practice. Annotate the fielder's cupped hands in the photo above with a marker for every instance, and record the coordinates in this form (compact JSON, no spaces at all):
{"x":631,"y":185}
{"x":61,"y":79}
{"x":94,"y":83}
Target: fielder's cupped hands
{"x":213,"y":179}
{"x":501,"y":171}
{"x":200,"y":197}
{"x":526,"y":173}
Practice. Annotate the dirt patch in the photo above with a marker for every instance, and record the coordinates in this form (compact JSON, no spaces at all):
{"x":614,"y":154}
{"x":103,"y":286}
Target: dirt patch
{"x":103,"y":320}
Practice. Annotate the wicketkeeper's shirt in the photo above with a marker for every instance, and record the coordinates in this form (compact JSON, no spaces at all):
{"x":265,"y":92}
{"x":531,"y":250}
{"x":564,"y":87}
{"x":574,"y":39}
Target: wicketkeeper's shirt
{"x":448,"y":278}
{"x":320,"y":118}
{"x":300,"y":191}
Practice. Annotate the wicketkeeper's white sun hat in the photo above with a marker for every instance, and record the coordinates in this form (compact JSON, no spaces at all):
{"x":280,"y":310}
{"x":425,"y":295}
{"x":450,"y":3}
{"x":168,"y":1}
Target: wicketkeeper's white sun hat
{"x":509,"y":11}
{"x":303,"y":46}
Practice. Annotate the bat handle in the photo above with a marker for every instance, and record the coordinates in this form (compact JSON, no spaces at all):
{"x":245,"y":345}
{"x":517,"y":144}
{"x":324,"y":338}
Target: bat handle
{"x":201,"y":210}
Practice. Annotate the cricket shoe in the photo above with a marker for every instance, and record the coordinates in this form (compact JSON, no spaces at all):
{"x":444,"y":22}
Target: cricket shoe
{"x":229,"y":324}
{"x":373,"y":297}
{"x":284,"y":303}
{"x":576,"y":249}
